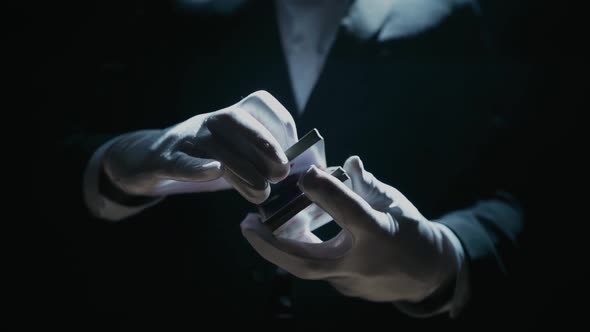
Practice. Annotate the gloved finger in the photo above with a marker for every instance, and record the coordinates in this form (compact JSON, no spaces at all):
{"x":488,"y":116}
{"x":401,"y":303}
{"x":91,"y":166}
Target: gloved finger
{"x":181,"y":167}
{"x":345,"y":285}
{"x":304,"y":260}
{"x":267,"y":110}
{"x":250,"y":140}
{"x":252,"y":194}
{"x":376,"y":193}
{"x":347,"y":208}
{"x":304,"y":236}
{"x":240,"y":166}
{"x":381,"y":197}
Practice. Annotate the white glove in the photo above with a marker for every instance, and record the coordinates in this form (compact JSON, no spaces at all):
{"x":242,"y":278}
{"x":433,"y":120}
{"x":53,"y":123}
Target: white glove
{"x":242,"y":146}
{"x":302,"y":225}
{"x":386,"y":251}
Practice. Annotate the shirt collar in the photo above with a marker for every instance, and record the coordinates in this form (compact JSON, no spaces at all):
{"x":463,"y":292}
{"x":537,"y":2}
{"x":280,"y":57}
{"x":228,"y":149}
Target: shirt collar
{"x":391,"y":19}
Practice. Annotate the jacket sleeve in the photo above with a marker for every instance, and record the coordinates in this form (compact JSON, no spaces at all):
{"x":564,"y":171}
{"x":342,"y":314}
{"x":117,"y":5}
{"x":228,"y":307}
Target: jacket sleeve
{"x":489,"y":232}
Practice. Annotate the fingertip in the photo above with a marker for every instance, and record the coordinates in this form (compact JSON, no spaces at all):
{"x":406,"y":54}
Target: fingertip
{"x":355,"y":162}
{"x":270,"y":148}
{"x":251,"y":222}
{"x":358,"y":162}
{"x":352,"y":158}
{"x":282,"y":157}
{"x":259,"y":196}
{"x":252,"y":194}
{"x":308,"y":179}
{"x":354,"y":167}
{"x":280,"y":173}
{"x":254,"y":230}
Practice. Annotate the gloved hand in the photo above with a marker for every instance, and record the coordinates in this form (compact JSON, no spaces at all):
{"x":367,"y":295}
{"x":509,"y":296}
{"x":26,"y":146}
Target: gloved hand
{"x":241,"y":145}
{"x":386,"y":251}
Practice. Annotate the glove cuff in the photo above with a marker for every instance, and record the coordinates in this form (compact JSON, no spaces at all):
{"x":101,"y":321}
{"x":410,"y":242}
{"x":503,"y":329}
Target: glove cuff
{"x":452,"y":295}
{"x":108,"y":189}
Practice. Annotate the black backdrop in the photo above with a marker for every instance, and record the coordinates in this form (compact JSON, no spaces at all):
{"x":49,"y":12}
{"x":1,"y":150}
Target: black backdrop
{"x":62,"y":40}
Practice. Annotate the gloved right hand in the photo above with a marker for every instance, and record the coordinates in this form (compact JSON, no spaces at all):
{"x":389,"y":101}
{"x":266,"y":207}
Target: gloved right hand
{"x":243,"y":144}
{"x":387,"y":250}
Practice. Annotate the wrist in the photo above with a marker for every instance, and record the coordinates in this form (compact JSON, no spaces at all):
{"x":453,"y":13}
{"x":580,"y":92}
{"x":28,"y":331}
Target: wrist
{"x":440,"y":297}
{"x":126,"y":161}
{"x":113,"y":182}
{"x":451,"y":258}
{"x":101,"y":204}
{"x":448,"y":259}
{"x":110,"y":190}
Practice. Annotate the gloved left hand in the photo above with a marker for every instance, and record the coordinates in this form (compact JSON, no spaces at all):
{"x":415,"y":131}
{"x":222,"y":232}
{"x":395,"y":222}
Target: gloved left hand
{"x":386,"y":251}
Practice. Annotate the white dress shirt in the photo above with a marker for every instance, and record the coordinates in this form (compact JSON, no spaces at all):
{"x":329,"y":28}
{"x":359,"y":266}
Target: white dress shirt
{"x":308,"y":29}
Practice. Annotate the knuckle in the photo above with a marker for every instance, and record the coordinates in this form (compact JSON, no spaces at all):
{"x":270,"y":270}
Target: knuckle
{"x":259,"y":100}
{"x":220,"y":118}
{"x":264,"y":102}
{"x":262,"y":96}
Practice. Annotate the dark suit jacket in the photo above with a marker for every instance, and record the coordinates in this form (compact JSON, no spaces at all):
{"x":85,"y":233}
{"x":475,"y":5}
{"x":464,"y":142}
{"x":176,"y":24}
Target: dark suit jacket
{"x":446,"y":116}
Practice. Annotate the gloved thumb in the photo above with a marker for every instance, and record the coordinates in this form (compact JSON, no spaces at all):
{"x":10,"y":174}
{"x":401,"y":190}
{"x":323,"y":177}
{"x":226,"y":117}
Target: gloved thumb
{"x":183,"y":167}
{"x":375,"y":192}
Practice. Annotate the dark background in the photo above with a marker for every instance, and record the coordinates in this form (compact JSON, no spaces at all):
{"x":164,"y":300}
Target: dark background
{"x":65,"y":42}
